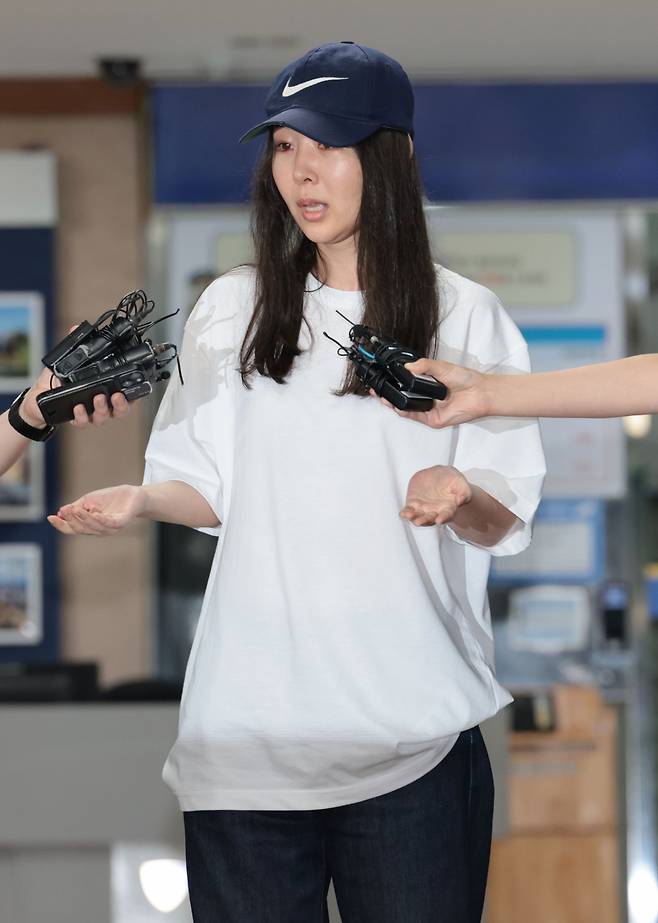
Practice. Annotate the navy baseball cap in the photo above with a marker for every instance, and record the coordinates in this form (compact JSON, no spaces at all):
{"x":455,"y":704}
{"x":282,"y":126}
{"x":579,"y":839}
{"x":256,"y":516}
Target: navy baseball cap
{"x":338,"y":94}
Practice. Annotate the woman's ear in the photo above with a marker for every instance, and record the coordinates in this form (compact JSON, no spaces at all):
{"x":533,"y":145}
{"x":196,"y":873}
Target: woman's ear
{"x":411,"y":146}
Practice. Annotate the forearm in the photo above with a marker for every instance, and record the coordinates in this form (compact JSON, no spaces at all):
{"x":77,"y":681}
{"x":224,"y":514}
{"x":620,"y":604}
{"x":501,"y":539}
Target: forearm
{"x":483,"y":520}
{"x":12,"y":444}
{"x":608,"y":389}
{"x":177,"y":502}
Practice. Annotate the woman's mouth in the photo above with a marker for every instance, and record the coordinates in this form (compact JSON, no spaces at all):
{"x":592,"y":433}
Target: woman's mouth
{"x":312,"y":210}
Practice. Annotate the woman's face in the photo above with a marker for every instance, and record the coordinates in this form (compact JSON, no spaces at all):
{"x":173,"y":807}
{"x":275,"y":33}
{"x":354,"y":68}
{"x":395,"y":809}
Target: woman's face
{"x":320,"y":185}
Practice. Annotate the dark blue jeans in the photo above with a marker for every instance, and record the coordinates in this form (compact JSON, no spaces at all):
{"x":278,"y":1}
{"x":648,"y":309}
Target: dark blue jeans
{"x":415,"y":855}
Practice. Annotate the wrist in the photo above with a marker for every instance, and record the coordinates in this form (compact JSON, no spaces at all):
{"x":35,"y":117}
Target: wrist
{"x":39,"y":432}
{"x":29,"y":411}
{"x":463,"y":513}
{"x":144,"y":502}
{"x":491,"y":385}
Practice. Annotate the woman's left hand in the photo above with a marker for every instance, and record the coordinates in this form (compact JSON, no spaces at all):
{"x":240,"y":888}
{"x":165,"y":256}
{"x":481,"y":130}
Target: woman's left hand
{"x":434,"y":495}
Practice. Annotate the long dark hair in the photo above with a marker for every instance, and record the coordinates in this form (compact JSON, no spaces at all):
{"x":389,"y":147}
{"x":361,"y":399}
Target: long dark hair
{"x":394,"y":262}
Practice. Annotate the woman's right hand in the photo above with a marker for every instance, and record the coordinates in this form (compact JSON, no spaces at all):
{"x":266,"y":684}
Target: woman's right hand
{"x":101,"y":512}
{"x":466,"y":399}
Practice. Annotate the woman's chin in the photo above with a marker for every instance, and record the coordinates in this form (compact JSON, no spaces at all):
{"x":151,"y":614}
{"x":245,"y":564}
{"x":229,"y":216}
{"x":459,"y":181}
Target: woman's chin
{"x":325,"y":237}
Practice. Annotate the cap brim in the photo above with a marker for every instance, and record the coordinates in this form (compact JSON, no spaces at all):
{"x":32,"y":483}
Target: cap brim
{"x":327,"y":129}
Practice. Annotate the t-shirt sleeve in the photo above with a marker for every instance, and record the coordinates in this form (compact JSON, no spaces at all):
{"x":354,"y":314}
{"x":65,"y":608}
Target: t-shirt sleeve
{"x":502,"y":455}
{"x":183,"y":441}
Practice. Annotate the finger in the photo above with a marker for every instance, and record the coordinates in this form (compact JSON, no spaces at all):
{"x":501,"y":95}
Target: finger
{"x":417,"y":505}
{"x":432,"y":513}
{"x":101,"y":516}
{"x":43,"y":381}
{"x":417,"y":515}
{"x":108,"y":521}
{"x":70,"y":513}
{"x":80,"y":416}
{"x":67,"y":510}
{"x":423,"y":366}
{"x":120,"y":406}
{"x":444,"y":516}
{"x":89,"y":508}
{"x":435,"y":368}
{"x":60,"y":525}
{"x":71,"y":525}
{"x":101,"y":411}
{"x":421,"y":520}
{"x":90,"y":522}
{"x":436,"y":417}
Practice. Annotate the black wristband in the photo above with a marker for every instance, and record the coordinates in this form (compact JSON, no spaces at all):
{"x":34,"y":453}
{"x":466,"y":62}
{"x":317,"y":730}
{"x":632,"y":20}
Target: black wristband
{"x":19,"y":424}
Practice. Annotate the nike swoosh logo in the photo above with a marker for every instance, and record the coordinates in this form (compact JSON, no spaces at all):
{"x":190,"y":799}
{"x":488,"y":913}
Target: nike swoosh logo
{"x":289,"y":90}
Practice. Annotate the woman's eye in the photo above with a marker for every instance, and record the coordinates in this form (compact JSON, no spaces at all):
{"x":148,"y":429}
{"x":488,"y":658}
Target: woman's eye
{"x":281,"y":145}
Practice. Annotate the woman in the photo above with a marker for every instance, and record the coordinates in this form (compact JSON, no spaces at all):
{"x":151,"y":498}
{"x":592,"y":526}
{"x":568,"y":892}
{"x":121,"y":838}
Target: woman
{"x":343,"y":659}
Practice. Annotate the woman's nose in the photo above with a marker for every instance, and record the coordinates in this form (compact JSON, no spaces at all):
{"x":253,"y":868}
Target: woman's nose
{"x":305,"y":164}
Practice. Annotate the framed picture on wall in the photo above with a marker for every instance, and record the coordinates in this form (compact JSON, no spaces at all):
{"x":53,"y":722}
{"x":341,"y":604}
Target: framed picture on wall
{"x":21,"y":604}
{"x":22,"y":488}
{"x":21,"y":339}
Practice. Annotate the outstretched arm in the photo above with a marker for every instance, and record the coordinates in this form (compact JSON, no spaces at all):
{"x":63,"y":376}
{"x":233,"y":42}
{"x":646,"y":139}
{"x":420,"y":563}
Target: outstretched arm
{"x":442,"y":495}
{"x":104,"y":512}
{"x":608,"y":389}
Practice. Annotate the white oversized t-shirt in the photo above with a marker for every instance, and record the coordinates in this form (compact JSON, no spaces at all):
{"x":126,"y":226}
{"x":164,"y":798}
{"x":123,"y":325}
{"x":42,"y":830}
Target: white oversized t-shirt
{"x":340,"y":650}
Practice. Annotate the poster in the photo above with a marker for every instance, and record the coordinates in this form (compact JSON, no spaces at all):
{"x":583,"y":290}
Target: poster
{"x":22,"y":488}
{"x":21,"y":339}
{"x":21,"y":620}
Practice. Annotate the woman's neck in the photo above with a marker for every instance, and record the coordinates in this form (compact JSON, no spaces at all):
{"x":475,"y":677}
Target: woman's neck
{"x":337,"y":266}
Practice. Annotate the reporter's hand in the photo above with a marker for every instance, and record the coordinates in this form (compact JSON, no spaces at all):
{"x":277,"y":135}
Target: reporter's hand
{"x":434,"y":495}
{"x":118,"y":408}
{"x":101,"y":512}
{"x":29,"y":409}
{"x":30,"y":412}
{"x":466,"y":399}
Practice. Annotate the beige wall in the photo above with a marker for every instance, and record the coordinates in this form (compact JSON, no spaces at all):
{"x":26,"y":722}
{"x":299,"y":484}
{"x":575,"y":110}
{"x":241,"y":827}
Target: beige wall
{"x":105,"y":582}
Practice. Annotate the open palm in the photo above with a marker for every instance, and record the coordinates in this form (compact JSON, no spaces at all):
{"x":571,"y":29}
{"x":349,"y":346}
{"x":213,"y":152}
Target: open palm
{"x":100,"y":512}
{"x":434,"y":495}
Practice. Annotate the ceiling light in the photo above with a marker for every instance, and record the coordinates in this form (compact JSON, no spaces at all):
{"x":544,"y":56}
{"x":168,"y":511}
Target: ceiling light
{"x":638,"y":425}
